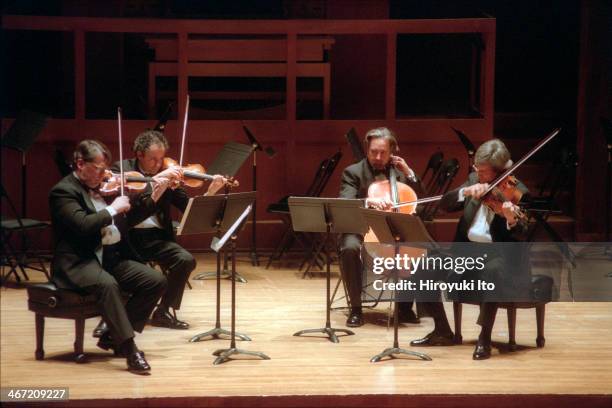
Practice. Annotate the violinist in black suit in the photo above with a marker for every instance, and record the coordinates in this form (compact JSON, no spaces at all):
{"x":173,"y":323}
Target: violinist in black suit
{"x":381,"y":145}
{"x":481,"y":226}
{"x":151,"y":233}
{"x":91,"y":255}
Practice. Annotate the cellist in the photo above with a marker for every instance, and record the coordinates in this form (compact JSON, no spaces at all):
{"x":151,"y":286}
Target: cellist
{"x":381,"y":148}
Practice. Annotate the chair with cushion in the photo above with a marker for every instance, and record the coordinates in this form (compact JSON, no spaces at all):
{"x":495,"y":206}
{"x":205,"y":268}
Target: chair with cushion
{"x":47,"y":300}
{"x":542,"y":293}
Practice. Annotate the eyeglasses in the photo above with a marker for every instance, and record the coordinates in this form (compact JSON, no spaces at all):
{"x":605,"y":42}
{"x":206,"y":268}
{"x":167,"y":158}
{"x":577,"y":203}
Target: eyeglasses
{"x":99,"y":167}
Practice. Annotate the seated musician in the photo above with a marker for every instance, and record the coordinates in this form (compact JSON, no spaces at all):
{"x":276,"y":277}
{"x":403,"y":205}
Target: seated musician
{"x":356,"y":178}
{"x":90,"y":253}
{"x":481,"y":226}
{"x":152,"y":234}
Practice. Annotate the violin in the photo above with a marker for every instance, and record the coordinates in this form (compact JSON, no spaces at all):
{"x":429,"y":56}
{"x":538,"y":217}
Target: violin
{"x":134,"y":183}
{"x":194,"y":175}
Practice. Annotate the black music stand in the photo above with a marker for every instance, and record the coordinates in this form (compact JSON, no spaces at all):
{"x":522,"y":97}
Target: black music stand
{"x":21,"y":136}
{"x":255,"y":146}
{"x":227,"y":163}
{"x":393,"y":228}
{"x":224,"y":355}
{"x":325,"y":215}
{"x":356,"y":145}
{"x":468,"y":145}
{"x":214,"y":214}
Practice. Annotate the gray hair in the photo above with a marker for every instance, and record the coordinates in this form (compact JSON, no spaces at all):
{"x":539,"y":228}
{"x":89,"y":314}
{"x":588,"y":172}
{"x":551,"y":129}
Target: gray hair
{"x":495,"y":153}
{"x":149,"y":138}
{"x":89,"y":149}
{"x":385,"y":134}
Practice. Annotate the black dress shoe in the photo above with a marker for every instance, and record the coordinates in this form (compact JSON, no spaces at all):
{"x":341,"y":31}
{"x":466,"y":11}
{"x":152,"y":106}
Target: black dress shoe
{"x":106,"y":343}
{"x":434,"y":339}
{"x":100,"y":329}
{"x":355,"y":319}
{"x":163,"y":318}
{"x":408,"y":316}
{"x":482,"y":351}
{"x":137,"y":363}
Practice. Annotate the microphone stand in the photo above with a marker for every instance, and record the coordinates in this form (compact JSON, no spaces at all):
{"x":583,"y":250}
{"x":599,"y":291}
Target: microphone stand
{"x":270,"y":152}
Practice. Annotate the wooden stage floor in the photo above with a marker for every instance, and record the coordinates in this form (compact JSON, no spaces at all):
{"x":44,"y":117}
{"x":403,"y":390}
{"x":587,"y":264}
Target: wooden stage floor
{"x":275,"y":303}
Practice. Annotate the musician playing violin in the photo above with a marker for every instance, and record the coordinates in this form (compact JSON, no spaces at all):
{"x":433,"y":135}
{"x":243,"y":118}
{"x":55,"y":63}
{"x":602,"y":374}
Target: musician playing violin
{"x":90,"y":253}
{"x":151,"y":235}
{"x":381,"y":146}
{"x":481,"y":226}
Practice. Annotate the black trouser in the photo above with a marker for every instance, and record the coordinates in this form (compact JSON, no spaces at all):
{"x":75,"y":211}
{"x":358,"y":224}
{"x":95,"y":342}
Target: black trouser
{"x":120,"y":275}
{"x":152,"y":244}
{"x":495,"y":267}
{"x":352,"y":268}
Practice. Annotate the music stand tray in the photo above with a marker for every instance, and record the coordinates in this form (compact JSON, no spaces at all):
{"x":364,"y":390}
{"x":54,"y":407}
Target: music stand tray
{"x":393,"y":228}
{"x":214,"y":214}
{"x":227,"y":163}
{"x":326,"y":215}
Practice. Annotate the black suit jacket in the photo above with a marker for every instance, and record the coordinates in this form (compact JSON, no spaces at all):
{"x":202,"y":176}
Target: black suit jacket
{"x":77,"y":234}
{"x":470,"y":206}
{"x":357,"y":177}
{"x":143,"y":205}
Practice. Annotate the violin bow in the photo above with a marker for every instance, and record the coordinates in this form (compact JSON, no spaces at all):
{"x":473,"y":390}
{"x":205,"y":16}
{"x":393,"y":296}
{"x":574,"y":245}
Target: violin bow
{"x":120,"y":150}
{"x":499,"y":179}
{"x":523,"y":159}
{"x":184,"y":131}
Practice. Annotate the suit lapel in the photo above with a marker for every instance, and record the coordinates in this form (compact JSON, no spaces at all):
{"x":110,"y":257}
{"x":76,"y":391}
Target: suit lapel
{"x":86,"y":198}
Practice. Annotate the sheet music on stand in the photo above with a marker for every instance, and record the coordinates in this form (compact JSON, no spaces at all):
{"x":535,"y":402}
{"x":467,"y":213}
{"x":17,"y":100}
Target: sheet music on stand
{"x":218,"y":243}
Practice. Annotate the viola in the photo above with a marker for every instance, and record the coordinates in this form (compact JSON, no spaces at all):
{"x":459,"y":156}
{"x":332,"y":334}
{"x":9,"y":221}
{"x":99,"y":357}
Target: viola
{"x":506,"y":190}
{"x":194,"y":175}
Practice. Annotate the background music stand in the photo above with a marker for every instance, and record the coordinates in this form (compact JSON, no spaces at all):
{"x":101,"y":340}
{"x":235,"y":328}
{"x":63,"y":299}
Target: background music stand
{"x":328,"y":215}
{"x":255,"y":146}
{"x":393,"y":228}
{"x":227,"y":163}
{"x":468,"y":145}
{"x":214,"y":214}
{"x":224,"y":355}
{"x":21,"y":136}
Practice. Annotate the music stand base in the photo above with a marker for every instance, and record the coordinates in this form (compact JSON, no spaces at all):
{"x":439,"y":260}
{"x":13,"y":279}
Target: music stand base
{"x":216,"y":333}
{"x":390,"y":352}
{"x":224,"y":275}
{"x":330,"y":331}
{"x":225,"y":354}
